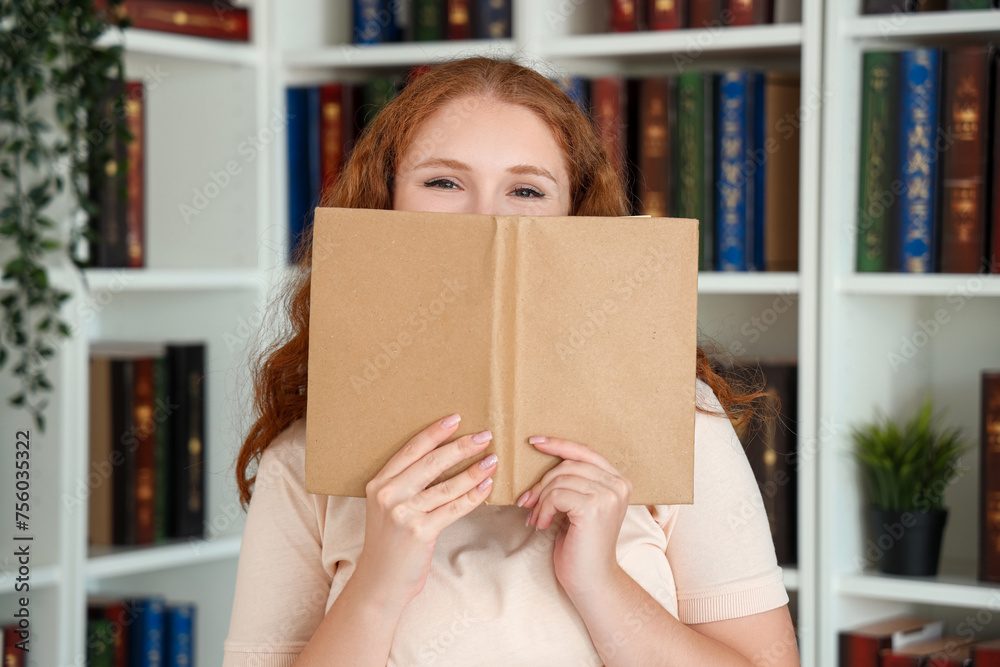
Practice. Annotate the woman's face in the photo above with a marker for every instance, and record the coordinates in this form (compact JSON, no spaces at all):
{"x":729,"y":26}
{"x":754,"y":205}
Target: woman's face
{"x":482,"y":156}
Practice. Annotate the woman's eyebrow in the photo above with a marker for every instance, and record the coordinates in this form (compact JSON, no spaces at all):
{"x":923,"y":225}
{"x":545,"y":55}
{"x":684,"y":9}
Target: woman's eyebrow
{"x":532,"y":170}
{"x":443,"y":162}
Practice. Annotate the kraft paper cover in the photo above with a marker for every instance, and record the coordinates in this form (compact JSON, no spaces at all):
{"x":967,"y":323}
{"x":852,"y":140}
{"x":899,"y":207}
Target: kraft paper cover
{"x":575,"y":327}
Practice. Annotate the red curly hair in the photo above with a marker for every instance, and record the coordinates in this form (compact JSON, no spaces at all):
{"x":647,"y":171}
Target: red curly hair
{"x":598,"y":188}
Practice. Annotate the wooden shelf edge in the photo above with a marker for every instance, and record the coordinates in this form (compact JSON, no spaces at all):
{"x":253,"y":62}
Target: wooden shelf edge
{"x":124,"y":561}
{"x":945,"y":590}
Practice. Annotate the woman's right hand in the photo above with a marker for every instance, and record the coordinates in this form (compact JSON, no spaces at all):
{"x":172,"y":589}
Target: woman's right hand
{"x":404,"y":517}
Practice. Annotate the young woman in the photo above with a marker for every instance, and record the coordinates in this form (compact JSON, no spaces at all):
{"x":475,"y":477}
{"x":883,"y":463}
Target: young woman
{"x":426,"y":574}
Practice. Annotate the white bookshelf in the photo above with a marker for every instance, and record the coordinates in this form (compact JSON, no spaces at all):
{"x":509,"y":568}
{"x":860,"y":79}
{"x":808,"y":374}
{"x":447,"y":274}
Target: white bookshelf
{"x":864,"y":320}
{"x":207,"y":277}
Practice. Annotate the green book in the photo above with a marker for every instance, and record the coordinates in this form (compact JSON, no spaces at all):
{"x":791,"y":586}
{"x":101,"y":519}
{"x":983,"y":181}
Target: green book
{"x":162,"y":446}
{"x":693,"y":166}
{"x":970,"y":4}
{"x":428,"y":20}
{"x":100,"y":642}
{"x":378,"y":91}
{"x":876,"y":196}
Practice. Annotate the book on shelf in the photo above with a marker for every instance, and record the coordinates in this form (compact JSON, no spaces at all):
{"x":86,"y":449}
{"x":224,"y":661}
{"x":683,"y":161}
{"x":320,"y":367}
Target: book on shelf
{"x":860,"y":646}
{"x":924,"y":201}
{"x":116,"y":178}
{"x":636,"y":15}
{"x":218,"y":19}
{"x":946,"y":651}
{"x":145,"y":483}
{"x":904,"y":6}
{"x":985,"y":653}
{"x":387,"y":21}
{"x":989,"y":478}
{"x":146,"y":630}
{"x":13,"y":645}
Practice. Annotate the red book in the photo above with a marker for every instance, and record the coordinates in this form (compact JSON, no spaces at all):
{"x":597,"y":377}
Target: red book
{"x":624,"y":15}
{"x":705,"y":13}
{"x":966,"y":121}
{"x":145,"y":450}
{"x":994,"y":258}
{"x":218,"y":20}
{"x":941,"y":652}
{"x":655,"y":102}
{"x":989,"y":479}
{"x":459,"y":20}
{"x":135,"y":217}
{"x":122,"y":615}
{"x":751,"y":12}
{"x":333,"y":118}
{"x":859,"y":647}
{"x":608,"y":95}
{"x":12,"y":655}
{"x":986,"y":654}
{"x":666,"y":14}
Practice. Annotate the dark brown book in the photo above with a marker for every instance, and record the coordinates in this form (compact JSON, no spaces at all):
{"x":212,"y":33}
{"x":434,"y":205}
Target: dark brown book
{"x":989,"y":478}
{"x":219,"y":20}
{"x":99,"y":474}
{"x":625,"y":15}
{"x":135,"y":219}
{"x":967,"y":86}
{"x":145,"y":450}
{"x":459,"y":24}
{"x":985,"y":654}
{"x":781,"y":178}
{"x":334,"y":119}
{"x":609,"y":108}
{"x":14,"y":654}
{"x":932,"y":5}
{"x":950,"y":651}
{"x":705,"y":13}
{"x":889,"y":6}
{"x":667,"y":14}
{"x":771,"y":449}
{"x":751,"y":12}
{"x":994,"y":226}
{"x":860,"y":646}
{"x":653,"y":146}
{"x":123,"y":517}
{"x":186,"y":510}
{"x":108,"y":186}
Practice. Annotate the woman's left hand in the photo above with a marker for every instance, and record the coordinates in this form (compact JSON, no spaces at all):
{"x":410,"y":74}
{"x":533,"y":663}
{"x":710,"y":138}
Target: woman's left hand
{"x":594,"y":497}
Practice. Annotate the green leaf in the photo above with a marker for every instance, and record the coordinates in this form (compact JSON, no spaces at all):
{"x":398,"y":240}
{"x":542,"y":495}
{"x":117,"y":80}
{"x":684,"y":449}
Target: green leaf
{"x":17,"y":399}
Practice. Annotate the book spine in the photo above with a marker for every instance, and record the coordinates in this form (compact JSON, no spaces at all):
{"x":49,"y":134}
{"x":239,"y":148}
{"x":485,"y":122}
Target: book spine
{"x":161,"y":414}
{"x":187,"y":513}
{"x":123,"y":520}
{"x":624,"y":15}
{"x":145,"y":450}
{"x":298,"y":180}
{"x":781,"y":180}
{"x":666,"y":14}
{"x":743,"y":11}
{"x":857,"y":650}
{"x":577,"y":88}
{"x":705,"y":13}
{"x":920,"y":74}
{"x":147,"y":648}
{"x":757,"y":166}
{"x":989,"y":480}
{"x":889,"y":658}
{"x":732,"y":181}
{"x":331,"y":132}
{"x":314,"y":151}
{"x":787,"y":11}
{"x":373,"y":22}
{"x":429,"y":20}
{"x":178,"y":639}
{"x":459,"y":25}
{"x":136,"y":151}
{"x":994,"y":230}
{"x":100,"y":645}
{"x":654,"y":147}
{"x":216,"y":21}
{"x":888,"y":6}
{"x":876,"y":200}
{"x":493,"y":19}
{"x":967,"y":89}
{"x":108,"y":185}
{"x":970,"y":4}
{"x":609,"y":110}
{"x":690,"y":159}
{"x":985,"y":656}
{"x":100,"y":500}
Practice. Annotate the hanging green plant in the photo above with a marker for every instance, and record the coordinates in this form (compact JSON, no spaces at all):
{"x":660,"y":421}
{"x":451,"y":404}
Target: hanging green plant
{"x":53,"y":74}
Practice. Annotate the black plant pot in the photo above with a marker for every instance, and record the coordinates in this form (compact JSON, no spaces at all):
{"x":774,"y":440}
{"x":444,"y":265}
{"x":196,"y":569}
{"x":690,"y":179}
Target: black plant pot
{"x":907,"y":543}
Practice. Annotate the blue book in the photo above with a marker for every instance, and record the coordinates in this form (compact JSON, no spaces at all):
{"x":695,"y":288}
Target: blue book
{"x":145,"y":640}
{"x":298,"y":175}
{"x":376,"y":21}
{"x":576,"y":88}
{"x":920,"y":73}
{"x":756,"y":171}
{"x":314,"y":149}
{"x":492,"y":19}
{"x":180,"y":635}
{"x":732,"y":186}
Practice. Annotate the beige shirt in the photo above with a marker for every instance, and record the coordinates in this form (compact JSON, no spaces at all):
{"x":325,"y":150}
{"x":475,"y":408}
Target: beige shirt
{"x":492,"y":597}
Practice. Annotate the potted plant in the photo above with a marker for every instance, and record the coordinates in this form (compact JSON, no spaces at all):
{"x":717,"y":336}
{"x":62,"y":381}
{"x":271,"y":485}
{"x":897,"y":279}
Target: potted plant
{"x":906,"y":470}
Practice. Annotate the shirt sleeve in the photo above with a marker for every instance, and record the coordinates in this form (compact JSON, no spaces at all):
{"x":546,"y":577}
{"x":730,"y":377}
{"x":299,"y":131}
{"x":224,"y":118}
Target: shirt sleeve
{"x":720,"y":547}
{"x":282,"y":585}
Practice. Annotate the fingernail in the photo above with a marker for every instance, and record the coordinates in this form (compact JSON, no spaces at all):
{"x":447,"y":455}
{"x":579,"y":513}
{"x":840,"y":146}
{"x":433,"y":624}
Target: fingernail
{"x":527,"y":522}
{"x":524,"y":498}
{"x":535,"y":439}
{"x":482,"y":437}
{"x":488,"y":461}
{"x":485,"y":484}
{"x":448,"y":422}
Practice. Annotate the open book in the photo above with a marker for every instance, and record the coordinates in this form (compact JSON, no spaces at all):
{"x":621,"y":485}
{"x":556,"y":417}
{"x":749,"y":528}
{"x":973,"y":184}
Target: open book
{"x":574,"y":327}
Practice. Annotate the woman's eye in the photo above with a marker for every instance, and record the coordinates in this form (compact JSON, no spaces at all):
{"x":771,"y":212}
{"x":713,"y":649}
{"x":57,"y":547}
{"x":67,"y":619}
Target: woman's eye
{"x":527,"y":193}
{"x":442,"y":183}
